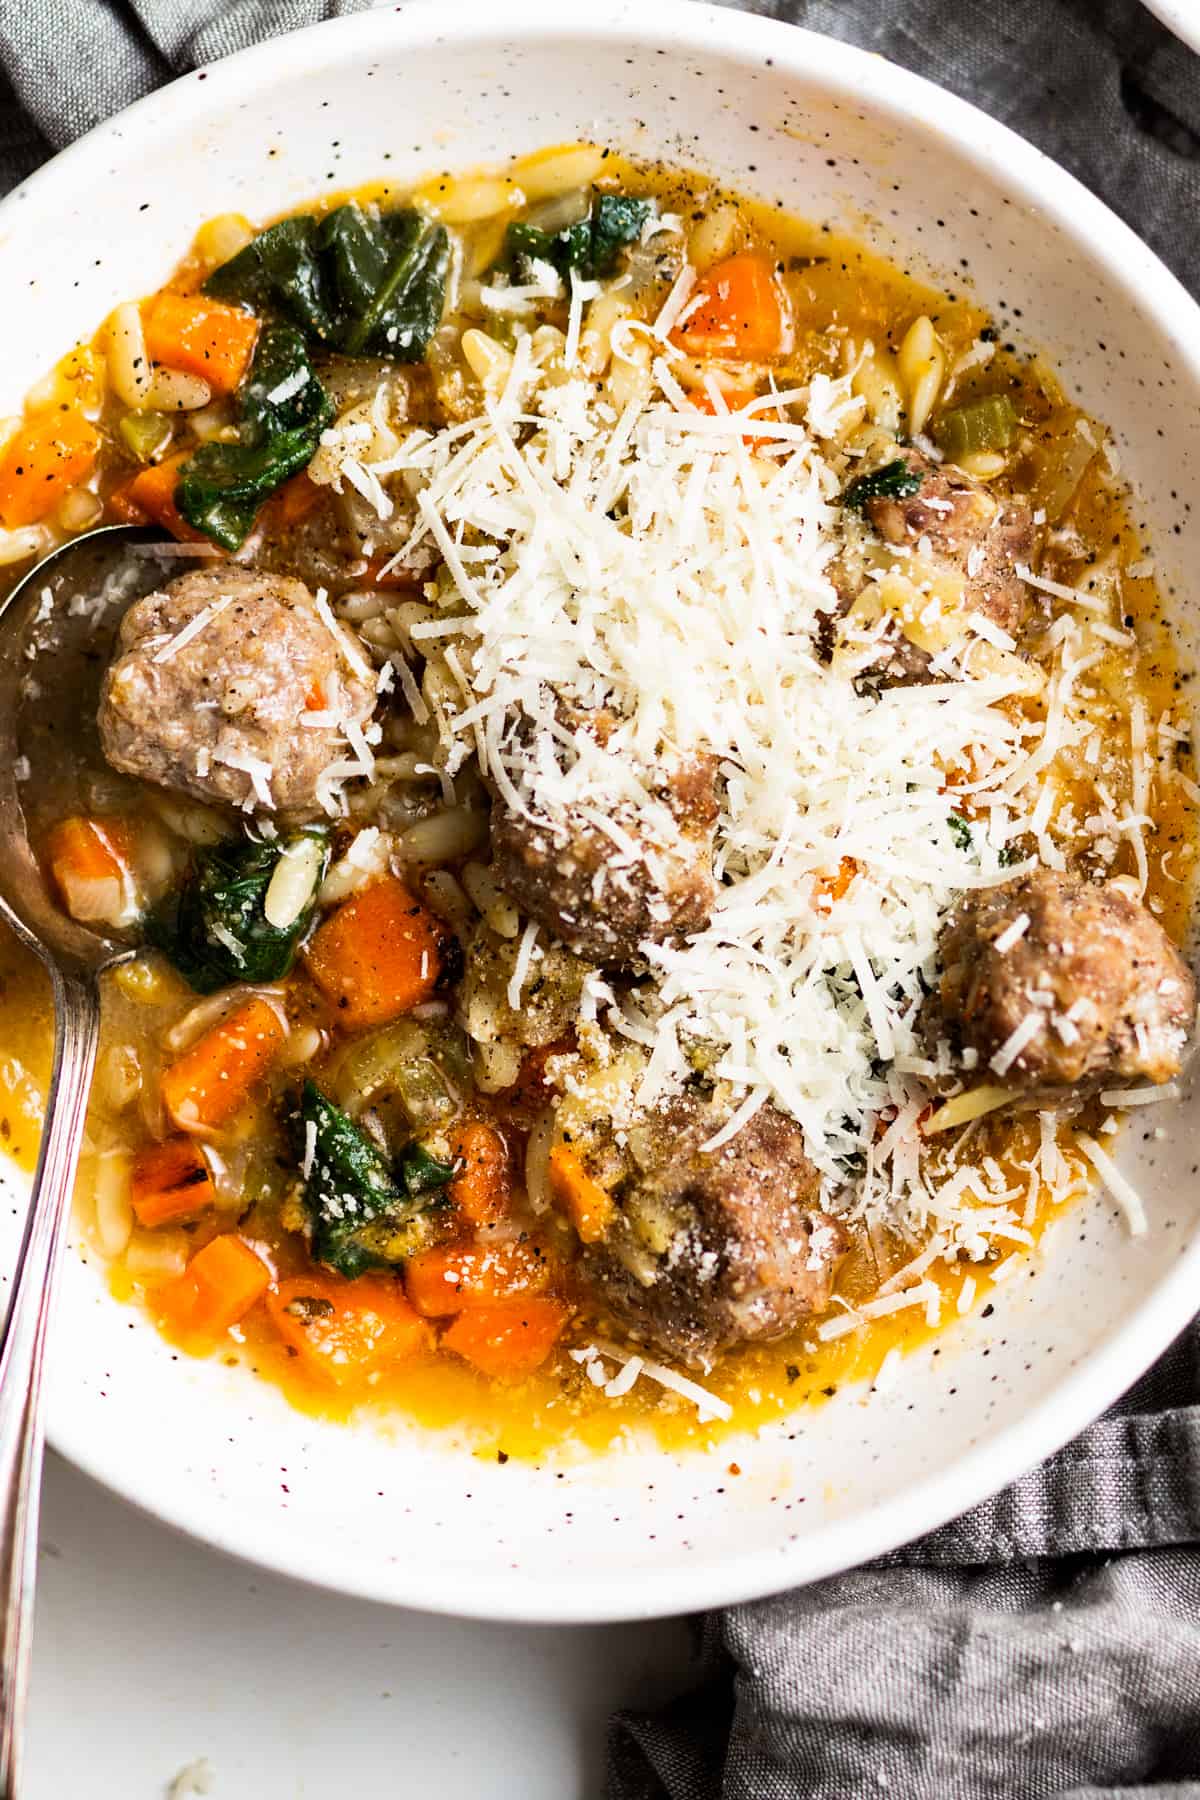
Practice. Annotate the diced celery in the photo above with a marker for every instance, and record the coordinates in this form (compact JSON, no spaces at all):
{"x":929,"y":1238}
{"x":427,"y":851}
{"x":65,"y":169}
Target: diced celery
{"x":987,"y":424}
{"x":407,"y":1060}
{"x":145,"y":434}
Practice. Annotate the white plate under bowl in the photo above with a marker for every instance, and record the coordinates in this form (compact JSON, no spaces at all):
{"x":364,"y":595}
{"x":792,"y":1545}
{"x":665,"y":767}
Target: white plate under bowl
{"x":834,"y":134}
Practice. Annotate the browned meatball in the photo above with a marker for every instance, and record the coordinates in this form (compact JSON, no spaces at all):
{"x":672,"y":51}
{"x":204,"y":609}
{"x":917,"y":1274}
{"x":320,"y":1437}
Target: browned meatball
{"x":957,"y":522}
{"x":217,"y":713}
{"x":709,"y":1251}
{"x":964,"y":524}
{"x":587,"y":890}
{"x":1111,"y":996}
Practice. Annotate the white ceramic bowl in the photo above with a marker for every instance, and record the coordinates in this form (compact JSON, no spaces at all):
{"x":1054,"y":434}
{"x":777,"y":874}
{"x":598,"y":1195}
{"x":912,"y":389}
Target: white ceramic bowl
{"x":835,"y":134}
{"x":1180,"y":16}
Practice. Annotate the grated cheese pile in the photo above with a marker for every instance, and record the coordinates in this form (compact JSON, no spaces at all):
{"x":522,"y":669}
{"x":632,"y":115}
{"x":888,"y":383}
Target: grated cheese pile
{"x":645,"y":559}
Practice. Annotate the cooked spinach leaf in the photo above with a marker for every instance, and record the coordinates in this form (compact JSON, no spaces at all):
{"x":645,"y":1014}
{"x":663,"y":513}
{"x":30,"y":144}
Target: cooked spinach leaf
{"x":284,"y":411}
{"x":348,"y":1187}
{"x":591,"y":245}
{"x":363,"y":1213}
{"x":566,"y":249}
{"x":617,"y":220}
{"x":390,"y":274}
{"x":280,"y":271}
{"x":222,"y":486}
{"x":422,"y":1172}
{"x":358,"y":256}
{"x":214,"y":928}
{"x":355,"y":281}
{"x":363,"y":282}
{"x":282,"y":392}
{"x":960,"y":831}
{"x":895,"y":481}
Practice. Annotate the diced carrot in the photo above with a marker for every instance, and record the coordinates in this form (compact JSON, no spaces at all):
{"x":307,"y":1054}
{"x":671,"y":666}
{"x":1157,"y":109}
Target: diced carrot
{"x":94,"y":848}
{"x":122,"y":508}
{"x":482,"y":1189}
{"x":213,"y":1079}
{"x":149,"y":498}
{"x":296,"y":500}
{"x":218,"y":1287}
{"x":91,"y":862}
{"x":511,"y":1340}
{"x":343,"y":1330}
{"x":533,"y":1089}
{"x":741,"y":311}
{"x":400,"y":577}
{"x":378,"y":955}
{"x":588,"y":1206}
{"x":444,"y":1280}
{"x":734,"y":398}
{"x":170,"y":1183}
{"x":48,"y":455}
{"x":831,"y":887}
{"x":201,"y":337}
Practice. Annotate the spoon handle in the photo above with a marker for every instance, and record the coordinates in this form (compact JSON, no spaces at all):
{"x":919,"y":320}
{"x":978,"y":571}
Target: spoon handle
{"x":22,"y":1346}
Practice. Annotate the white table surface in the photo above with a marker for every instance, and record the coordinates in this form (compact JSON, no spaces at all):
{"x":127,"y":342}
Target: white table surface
{"x":152,"y":1651}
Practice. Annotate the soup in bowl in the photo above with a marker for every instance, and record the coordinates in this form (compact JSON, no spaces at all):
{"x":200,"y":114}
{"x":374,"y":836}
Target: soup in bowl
{"x":646,"y":762}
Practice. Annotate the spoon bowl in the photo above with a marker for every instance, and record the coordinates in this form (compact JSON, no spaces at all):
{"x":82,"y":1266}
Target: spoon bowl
{"x":56,"y":630}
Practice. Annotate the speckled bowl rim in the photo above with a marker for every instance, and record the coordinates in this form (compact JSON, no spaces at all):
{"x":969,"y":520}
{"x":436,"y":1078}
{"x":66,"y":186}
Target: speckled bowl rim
{"x":851,"y":75}
{"x":1182,"y":17}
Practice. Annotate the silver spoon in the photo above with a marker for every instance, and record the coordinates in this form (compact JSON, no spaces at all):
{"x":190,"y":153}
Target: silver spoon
{"x":51,"y":658}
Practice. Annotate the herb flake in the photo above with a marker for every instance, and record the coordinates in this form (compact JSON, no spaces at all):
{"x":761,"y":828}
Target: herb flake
{"x":894,"y":481}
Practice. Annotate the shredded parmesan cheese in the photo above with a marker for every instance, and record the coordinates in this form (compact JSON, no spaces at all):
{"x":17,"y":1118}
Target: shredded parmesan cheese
{"x":259,"y":771}
{"x":1019,"y":1039}
{"x":839,"y":1326}
{"x":520,"y":972}
{"x":347,"y":649}
{"x":193,"y":628}
{"x":1122,"y":1191}
{"x":1140,"y":1096}
{"x":707,"y":1404}
{"x":1012,"y":934}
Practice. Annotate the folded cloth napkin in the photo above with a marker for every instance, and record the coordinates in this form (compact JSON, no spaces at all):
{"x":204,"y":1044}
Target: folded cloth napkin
{"x":67,"y":64}
{"x":1047,"y":1643}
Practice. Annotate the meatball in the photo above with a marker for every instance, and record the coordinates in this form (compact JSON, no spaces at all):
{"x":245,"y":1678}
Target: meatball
{"x":963,"y":524}
{"x":1107,"y":994}
{"x":706,"y":1251}
{"x":210,"y":680}
{"x":953,"y":521}
{"x":605,"y":892}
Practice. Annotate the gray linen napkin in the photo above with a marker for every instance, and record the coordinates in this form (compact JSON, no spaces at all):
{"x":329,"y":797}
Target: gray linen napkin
{"x":1046,"y":1645}
{"x":67,"y":64}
